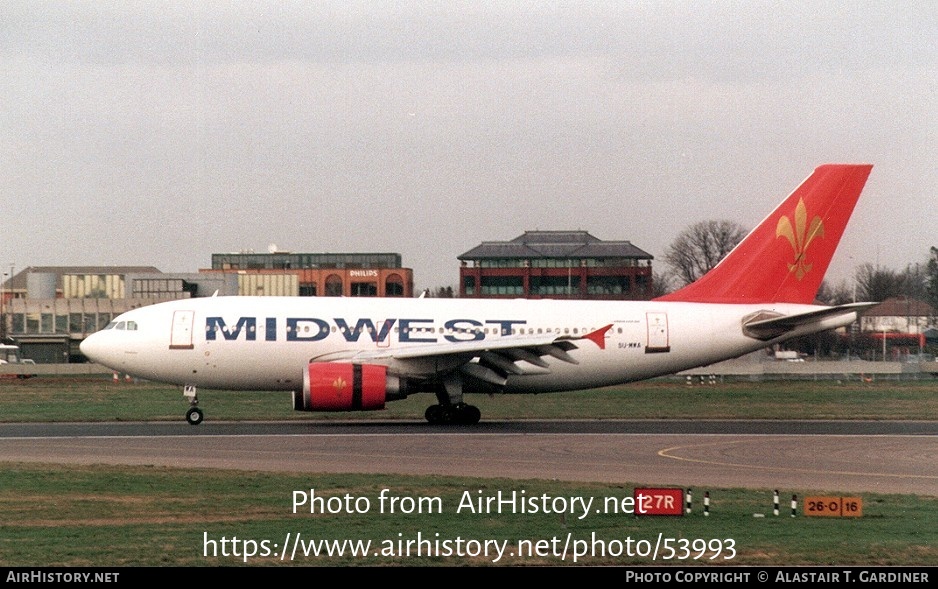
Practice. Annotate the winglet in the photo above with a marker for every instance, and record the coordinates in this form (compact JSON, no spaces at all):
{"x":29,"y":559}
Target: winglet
{"x":784,"y":259}
{"x":599,"y":336}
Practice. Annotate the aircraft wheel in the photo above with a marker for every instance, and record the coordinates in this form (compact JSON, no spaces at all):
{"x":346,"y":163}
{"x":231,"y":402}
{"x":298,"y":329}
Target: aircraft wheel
{"x":453,"y":414}
{"x":465,"y":415}
{"x":194,"y":416}
{"x":471,"y":415}
{"x":449,"y":415}
{"x":434,"y":414}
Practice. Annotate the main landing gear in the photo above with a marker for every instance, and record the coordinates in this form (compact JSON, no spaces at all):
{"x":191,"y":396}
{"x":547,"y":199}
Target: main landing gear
{"x":458,"y":414}
{"x":451,"y":409}
{"x":194,"y":415}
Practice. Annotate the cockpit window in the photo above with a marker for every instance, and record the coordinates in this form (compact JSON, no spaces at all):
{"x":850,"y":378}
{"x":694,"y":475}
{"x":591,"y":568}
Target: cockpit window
{"x":120,"y":325}
{"x":131,"y":326}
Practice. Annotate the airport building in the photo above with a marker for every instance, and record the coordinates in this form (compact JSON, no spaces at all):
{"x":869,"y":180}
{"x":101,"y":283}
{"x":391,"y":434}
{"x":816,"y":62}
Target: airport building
{"x":556,"y":264}
{"x":330,"y":274}
{"x":49,"y":310}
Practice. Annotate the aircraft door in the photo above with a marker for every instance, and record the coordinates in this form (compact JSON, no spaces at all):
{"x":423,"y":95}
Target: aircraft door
{"x":658,"y":339}
{"x":181,"y":333}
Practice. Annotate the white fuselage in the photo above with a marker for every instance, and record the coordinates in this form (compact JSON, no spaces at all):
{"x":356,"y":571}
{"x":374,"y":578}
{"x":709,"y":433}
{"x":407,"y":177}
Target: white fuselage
{"x":265,"y":343}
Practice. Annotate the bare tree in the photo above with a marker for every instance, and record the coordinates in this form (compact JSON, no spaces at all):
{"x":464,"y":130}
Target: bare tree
{"x":913,"y":282}
{"x":835,"y":295}
{"x":440,"y":292}
{"x":877,"y":284}
{"x":661,"y":283}
{"x":701,"y":246}
{"x":931,"y":277}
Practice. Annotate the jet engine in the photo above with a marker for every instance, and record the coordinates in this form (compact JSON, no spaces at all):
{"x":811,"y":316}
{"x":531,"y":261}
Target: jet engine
{"x":342,"y":386}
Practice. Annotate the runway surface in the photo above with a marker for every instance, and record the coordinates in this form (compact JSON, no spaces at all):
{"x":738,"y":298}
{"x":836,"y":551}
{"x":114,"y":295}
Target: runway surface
{"x":835,"y":457}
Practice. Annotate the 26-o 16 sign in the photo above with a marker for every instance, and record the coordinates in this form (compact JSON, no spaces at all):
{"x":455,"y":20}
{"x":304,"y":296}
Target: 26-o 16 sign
{"x":659,"y":501}
{"x":833,"y":506}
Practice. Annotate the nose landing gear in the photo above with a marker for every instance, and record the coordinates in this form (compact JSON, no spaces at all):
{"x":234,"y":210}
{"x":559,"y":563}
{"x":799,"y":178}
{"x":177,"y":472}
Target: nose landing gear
{"x":194,"y":415}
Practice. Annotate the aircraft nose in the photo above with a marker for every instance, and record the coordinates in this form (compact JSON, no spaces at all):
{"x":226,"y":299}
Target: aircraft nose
{"x":92,"y":348}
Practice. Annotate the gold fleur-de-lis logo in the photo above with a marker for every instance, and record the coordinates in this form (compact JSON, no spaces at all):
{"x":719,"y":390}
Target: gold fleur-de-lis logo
{"x":800,"y":237}
{"x":339,"y":385}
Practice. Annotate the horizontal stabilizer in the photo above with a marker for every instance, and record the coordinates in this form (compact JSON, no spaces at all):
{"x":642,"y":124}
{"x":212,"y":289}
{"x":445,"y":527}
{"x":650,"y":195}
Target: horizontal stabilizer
{"x":761,"y":328}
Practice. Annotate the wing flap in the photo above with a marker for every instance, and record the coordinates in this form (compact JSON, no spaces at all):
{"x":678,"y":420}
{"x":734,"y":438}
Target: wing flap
{"x":483,"y":373}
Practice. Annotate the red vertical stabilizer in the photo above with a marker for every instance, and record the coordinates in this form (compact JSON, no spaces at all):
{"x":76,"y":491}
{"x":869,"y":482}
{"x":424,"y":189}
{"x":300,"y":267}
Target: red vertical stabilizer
{"x":784,"y":259}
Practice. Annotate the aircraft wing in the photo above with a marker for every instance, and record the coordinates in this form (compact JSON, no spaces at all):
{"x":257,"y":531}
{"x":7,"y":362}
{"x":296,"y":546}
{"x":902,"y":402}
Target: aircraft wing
{"x":764,"y":328}
{"x":487,"y":360}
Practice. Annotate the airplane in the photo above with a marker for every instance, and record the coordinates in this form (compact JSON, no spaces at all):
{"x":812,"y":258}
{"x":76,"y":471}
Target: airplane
{"x":357,"y":354}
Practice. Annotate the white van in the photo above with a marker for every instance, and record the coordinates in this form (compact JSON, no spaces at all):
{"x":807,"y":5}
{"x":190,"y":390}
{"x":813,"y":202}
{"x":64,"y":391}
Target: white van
{"x":10,"y":354}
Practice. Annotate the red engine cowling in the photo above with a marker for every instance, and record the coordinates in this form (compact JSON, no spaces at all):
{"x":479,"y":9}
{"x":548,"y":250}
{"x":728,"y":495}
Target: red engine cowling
{"x":335,"y":386}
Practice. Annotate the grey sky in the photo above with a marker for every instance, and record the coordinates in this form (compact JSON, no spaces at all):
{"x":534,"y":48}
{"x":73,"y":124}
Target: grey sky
{"x":158,"y":133}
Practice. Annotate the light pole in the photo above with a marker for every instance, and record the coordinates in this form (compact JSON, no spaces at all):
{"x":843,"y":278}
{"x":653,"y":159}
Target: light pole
{"x":884,"y":343}
{"x":3,"y":317}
